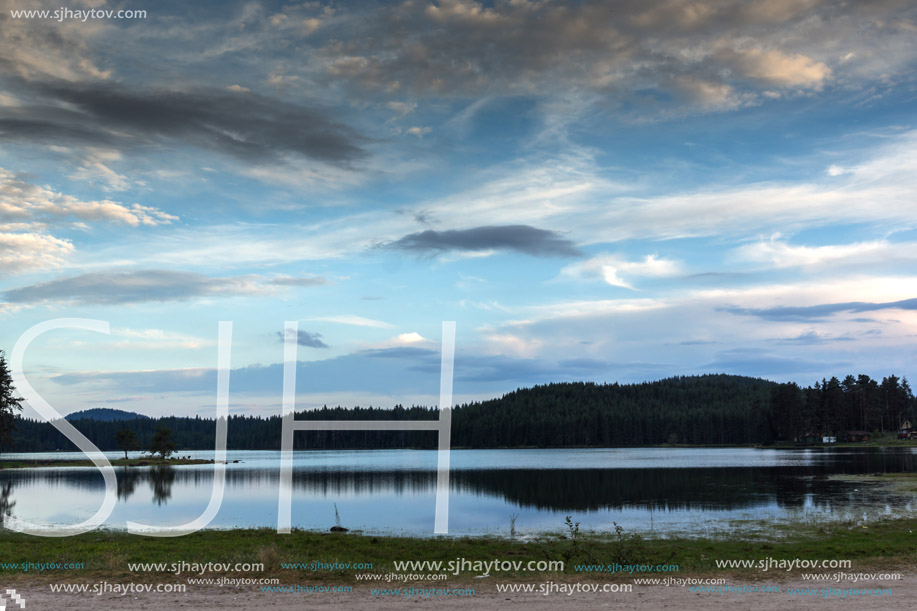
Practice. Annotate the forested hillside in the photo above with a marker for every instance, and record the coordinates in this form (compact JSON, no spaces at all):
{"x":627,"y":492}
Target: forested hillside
{"x":832,"y":407}
{"x":710,"y":409}
{"x":104,"y":414}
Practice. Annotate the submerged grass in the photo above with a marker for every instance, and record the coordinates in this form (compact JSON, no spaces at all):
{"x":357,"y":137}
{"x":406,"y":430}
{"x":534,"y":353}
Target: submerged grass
{"x":900,"y":482}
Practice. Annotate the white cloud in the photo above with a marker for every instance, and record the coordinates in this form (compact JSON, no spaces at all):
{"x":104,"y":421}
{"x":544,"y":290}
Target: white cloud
{"x":782,"y":254}
{"x":570,"y":194}
{"x":9,"y":101}
{"x":683,"y":330}
{"x":22,"y":200}
{"x":710,"y":94}
{"x":20,"y":252}
{"x":511,"y":344}
{"x":610,"y":268}
{"x":64,"y":52}
{"x":879,"y":192}
{"x":777,"y":68}
{"x":354,"y":320}
{"x":866,"y":288}
{"x":156,"y":339}
{"x":402,"y":108}
{"x":409,"y":339}
{"x":412,"y":339}
{"x":93,"y":169}
{"x":420,"y":132}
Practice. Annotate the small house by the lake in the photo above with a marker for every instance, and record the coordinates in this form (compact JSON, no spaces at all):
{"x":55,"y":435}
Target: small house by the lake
{"x":857,"y":435}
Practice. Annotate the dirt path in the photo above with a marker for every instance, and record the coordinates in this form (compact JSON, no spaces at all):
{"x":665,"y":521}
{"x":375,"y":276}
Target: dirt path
{"x":903,"y":596}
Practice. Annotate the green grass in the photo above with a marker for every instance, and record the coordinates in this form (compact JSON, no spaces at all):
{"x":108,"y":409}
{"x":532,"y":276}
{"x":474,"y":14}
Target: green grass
{"x":885,"y":544}
{"x":887,"y":440}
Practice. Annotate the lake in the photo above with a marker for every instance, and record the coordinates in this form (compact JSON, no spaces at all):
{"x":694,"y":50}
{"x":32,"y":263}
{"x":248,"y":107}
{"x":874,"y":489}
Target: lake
{"x":687,"y":491}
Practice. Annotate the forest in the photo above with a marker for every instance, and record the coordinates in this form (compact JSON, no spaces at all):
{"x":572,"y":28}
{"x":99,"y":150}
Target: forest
{"x":707,"y":409}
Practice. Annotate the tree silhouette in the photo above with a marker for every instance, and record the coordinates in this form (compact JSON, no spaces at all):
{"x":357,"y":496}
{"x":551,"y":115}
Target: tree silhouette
{"x":162,"y":443}
{"x":6,"y":506}
{"x":127,"y":482}
{"x":161,"y":480}
{"x":127,"y":441}
{"x":9,"y":403}
{"x":709,"y":409}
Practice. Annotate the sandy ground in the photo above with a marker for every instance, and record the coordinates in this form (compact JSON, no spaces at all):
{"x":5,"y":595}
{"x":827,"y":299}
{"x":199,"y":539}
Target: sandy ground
{"x":904,"y":596}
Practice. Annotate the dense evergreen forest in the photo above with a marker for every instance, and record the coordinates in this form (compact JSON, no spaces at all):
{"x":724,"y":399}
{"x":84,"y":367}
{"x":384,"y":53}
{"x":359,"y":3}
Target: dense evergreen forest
{"x":709,"y":409}
{"x":103,"y":413}
{"x":833,"y":407}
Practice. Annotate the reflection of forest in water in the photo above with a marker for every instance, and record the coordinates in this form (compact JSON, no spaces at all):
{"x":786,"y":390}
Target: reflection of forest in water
{"x":6,"y":505}
{"x":695,"y":489}
{"x":160,"y":479}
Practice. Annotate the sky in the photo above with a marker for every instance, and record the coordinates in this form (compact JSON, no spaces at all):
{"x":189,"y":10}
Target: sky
{"x":596,"y":191}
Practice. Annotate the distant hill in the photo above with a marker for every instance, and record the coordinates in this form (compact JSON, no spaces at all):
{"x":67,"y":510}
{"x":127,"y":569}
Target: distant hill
{"x":713,"y":409}
{"x":710,"y":409}
{"x":104,"y":414}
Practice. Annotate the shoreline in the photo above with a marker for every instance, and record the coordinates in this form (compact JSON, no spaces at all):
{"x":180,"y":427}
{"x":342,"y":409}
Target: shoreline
{"x":888,"y":442}
{"x":120,"y":462}
{"x":882,"y":544}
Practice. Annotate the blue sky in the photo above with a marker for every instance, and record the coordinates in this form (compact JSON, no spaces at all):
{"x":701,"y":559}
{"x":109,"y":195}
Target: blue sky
{"x":592,"y":191}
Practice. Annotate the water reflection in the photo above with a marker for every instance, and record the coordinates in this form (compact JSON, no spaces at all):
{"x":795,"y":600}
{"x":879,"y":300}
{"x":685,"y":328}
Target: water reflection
{"x":693,"y":489}
{"x":251,"y":489}
{"x":128,"y":478}
{"x":6,"y":505}
{"x":161,"y":479}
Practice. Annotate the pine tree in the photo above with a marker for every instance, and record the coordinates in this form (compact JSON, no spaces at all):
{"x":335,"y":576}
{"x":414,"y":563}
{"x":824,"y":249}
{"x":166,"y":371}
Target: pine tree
{"x":126,"y":440}
{"x":9,"y":404}
{"x":162,"y":443}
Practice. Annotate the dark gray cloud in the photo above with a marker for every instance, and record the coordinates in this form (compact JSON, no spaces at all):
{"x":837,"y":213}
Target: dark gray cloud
{"x":639,"y":54}
{"x":250,"y":127}
{"x":633,"y":51}
{"x":306,"y":338}
{"x":519,"y":238}
{"x":820,"y":311}
{"x":108,"y":288}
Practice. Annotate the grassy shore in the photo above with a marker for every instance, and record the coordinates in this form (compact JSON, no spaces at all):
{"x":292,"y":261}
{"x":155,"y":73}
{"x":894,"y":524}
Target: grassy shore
{"x":878,"y":440}
{"x":887,"y":545}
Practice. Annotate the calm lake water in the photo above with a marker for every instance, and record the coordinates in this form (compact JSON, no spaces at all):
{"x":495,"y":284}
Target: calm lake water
{"x":686,"y":491}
